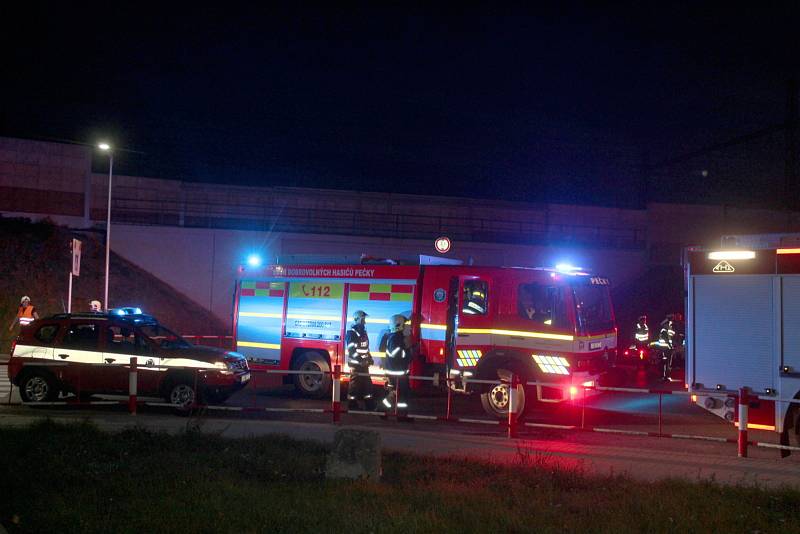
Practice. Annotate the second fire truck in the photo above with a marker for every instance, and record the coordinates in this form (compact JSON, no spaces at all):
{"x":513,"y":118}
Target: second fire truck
{"x":743,"y":331}
{"x":466,"y":323}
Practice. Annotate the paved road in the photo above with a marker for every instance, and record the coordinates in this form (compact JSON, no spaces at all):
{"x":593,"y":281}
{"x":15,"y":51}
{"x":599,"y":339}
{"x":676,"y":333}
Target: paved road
{"x":622,"y":411}
{"x":640,"y":457}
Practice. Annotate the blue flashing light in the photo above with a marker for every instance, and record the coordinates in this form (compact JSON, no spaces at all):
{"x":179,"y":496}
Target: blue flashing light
{"x":254,"y":260}
{"x":129,"y":310}
{"x":567,"y":268}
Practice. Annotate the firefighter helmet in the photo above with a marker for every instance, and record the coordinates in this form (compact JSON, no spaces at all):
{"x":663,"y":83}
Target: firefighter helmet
{"x":359,"y":316}
{"x":397,"y":323}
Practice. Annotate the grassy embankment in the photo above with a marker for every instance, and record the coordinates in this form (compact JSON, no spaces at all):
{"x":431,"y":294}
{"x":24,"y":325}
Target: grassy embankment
{"x":58,"y":478}
{"x":35,"y":261}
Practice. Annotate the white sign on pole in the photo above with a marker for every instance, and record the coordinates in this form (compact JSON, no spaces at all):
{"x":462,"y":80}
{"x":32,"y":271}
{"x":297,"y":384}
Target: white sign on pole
{"x":76,"y":257}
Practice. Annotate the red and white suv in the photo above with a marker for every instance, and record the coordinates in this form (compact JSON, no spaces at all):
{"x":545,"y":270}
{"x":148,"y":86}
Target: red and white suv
{"x":89,"y":354}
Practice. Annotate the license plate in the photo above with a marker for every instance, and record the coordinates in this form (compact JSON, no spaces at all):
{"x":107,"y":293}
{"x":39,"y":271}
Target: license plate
{"x":245,"y":378}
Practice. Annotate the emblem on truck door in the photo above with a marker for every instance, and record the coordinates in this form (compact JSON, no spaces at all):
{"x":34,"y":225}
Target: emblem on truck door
{"x":440,"y":295}
{"x":723,"y":267}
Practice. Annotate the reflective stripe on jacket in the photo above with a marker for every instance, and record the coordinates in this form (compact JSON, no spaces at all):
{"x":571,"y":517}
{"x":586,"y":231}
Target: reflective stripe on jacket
{"x":25,"y":314}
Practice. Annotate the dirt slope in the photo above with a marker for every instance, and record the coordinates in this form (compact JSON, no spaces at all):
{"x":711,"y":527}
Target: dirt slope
{"x":35,"y":261}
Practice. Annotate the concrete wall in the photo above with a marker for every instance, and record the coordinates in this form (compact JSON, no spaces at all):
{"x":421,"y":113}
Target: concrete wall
{"x":203,"y":263}
{"x":41,"y":177}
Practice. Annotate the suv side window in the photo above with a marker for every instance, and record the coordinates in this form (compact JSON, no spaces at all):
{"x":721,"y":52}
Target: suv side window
{"x":81,"y":336}
{"x":476,"y":297}
{"x":124,"y":340}
{"x":47,"y":333}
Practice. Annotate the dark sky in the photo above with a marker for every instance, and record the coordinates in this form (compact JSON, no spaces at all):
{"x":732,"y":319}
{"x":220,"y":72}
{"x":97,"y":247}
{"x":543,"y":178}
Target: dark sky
{"x":549,"y":104}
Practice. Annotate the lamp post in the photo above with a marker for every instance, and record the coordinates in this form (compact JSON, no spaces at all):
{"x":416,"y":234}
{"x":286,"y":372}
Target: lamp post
{"x":105,"y":147}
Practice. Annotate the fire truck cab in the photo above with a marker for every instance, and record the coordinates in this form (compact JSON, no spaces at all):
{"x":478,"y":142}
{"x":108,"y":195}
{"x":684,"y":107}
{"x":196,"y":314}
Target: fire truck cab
{"x":466,"y":323}
{"x":743,"y":331}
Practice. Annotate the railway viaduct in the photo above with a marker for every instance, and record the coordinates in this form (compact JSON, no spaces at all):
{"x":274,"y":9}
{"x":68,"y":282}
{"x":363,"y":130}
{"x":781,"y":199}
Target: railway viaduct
{"x":195,"y":236}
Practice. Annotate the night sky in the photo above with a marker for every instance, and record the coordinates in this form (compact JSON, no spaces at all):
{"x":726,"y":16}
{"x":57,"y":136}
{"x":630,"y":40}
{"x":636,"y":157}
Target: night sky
{"x":559,"y":104}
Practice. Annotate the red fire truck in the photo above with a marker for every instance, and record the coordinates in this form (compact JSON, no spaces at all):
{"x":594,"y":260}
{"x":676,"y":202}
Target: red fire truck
{"x":743,"y":330}
{"x":466,"y":322}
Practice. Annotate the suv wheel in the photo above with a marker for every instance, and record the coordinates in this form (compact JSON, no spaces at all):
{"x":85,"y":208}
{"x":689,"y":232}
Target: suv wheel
{"x":38,"y":387}
{"x":182,"y":395}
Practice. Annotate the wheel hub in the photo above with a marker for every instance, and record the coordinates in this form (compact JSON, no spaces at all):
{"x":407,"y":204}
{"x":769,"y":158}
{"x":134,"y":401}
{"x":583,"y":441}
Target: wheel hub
{"x":36,"y":389}
{"x":499,"y":396}
{"x":311,"y":382}
{"x":182,"y":395}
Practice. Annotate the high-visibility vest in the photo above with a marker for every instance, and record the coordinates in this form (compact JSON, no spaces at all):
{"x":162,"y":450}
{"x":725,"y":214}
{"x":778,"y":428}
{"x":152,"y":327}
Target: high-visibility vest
{"x":25,"y":314}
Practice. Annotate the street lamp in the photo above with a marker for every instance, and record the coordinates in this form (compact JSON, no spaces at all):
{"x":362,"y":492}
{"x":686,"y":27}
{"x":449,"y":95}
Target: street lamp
{"x":105,"y":147}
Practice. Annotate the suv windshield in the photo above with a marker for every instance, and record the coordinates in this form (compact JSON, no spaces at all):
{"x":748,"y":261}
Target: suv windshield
{"x":593,"y":307}
{"x":163,"y":337}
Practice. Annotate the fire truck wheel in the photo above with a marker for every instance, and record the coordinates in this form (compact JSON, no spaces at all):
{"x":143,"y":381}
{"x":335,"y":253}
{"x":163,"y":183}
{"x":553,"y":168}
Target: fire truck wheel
{"x":495,"y":401}
{"x":312,"y":385}
{"x":38,"y":386}
{"x":792,"y":425}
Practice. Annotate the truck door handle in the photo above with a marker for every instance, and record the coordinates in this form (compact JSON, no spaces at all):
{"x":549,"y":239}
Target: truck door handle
{"x":63,"y":356}
{"x":463,"y":335}
{"x":110,"y":360}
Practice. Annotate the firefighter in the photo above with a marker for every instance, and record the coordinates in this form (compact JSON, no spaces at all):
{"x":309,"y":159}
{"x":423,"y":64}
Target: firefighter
{"x":398,"y":358}
{"x":667,"y":332}
{"x":95,"y":306}
{"x":26,"y":313}
{"x":642,"y":333}
{"x":359,"y":359}
{"x":665,"y":345}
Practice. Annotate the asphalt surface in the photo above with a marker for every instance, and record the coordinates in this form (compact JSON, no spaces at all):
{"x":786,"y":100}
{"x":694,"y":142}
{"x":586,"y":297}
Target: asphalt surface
{"x":643,"y":457}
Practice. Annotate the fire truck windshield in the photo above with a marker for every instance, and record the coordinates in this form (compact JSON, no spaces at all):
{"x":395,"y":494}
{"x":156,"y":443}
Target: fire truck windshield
{"x":164,"y":337}
{"x":593,"y":308}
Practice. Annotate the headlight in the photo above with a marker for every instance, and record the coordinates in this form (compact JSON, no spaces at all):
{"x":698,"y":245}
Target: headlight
{"x":552,"y":364}
{"x":223,"y":368}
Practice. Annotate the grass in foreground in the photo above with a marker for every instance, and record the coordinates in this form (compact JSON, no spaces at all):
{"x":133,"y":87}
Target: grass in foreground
{"x":58,"y":478}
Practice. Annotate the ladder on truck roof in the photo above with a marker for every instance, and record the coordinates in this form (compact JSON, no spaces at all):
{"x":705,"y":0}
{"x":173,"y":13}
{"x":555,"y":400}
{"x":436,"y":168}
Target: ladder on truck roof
{"x":344,"y":259}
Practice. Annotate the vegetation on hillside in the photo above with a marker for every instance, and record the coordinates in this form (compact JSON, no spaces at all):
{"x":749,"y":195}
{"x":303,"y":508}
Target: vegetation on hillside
{"x":35,"y":260}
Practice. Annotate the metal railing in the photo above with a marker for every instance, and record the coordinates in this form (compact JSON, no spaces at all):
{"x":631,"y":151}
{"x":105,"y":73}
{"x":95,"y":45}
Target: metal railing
{"x":245,"y":216}
{"x":511,"y":425}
